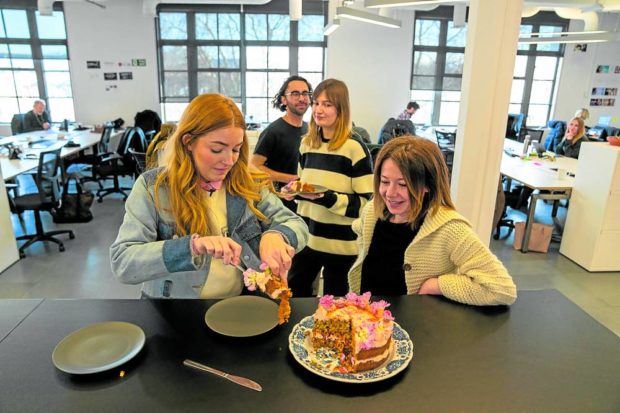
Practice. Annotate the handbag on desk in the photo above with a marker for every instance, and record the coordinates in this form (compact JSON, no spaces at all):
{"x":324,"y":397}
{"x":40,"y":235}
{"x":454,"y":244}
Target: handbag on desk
{"x":74,"y":207}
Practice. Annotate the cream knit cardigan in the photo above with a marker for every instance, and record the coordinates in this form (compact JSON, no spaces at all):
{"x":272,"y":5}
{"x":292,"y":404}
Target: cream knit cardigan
{"x":446,"y":248}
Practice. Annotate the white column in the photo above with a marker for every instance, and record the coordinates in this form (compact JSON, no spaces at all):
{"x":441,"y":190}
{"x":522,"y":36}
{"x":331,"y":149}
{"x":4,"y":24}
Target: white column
{"x":492,"y":34}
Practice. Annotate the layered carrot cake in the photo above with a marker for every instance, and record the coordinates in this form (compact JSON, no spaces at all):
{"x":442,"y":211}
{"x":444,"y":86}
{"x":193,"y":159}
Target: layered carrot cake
{"x":273,"y":286}
{"x":360,"y":332}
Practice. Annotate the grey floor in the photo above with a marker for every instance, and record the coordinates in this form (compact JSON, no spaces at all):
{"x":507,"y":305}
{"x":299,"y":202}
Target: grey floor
{"x":83,"y":270}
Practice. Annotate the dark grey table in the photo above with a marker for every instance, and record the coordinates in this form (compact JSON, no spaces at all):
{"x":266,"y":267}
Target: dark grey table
{"x":12,"y":312}
{"x":543,"y":354}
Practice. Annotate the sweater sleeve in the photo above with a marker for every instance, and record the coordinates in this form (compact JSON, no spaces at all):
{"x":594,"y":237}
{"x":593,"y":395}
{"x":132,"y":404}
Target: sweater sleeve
{"x":481,"y":279}
{"x":137,"y":255}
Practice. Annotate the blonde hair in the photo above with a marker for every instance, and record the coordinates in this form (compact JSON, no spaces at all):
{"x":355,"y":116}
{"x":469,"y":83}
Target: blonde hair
{"x":582,"y":113}
{"x":205,"y":113}
{"x":338,"y":94}
{"x":424,"y":171}
{"x":581,"y":132}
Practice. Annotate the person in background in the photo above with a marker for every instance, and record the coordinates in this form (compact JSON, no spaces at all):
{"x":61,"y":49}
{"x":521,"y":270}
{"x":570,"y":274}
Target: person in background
{"x":411,"y":240}
{"x":188,"y":224}
{"x":37,"y":118}
{"x":277,"y":150}
{"x":573,"y":138}
{"x":412,"y":108}
{"x":332,"y":157}
{"x":582,"y":113}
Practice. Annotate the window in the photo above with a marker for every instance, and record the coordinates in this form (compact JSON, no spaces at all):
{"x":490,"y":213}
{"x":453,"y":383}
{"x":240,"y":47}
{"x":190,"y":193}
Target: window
{"x":437,"y":68}
{"x":34,"y":63}
{"x":245,"y":55}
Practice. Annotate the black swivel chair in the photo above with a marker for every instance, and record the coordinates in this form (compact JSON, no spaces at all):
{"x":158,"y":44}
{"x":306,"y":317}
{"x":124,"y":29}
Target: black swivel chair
{"x":120,"y":163}
{"x":17,"y":123}
{"x":92,"y":159}
{"x":47,"y":197}
{"x":446,"y":142}
{"x":535,"y":135}
{"x":139,"y":159}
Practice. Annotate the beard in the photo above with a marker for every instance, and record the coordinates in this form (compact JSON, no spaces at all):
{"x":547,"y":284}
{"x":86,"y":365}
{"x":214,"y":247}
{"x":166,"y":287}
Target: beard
{"x":295,"y":111}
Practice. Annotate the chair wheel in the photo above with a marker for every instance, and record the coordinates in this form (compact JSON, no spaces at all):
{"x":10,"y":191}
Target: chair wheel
{"x":22,"y":254}
{"x":495,"y":236}
{"x":71,"y":235}
{"x":61,"y":248}
{"x":100,"y":200}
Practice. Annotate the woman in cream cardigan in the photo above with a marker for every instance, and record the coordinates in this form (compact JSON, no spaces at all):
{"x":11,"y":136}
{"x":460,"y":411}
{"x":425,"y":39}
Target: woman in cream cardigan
{"x":411,"y":240}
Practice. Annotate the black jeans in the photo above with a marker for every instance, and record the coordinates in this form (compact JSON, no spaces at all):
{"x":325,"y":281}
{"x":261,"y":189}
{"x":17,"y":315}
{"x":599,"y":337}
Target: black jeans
{"x":306,"y":267}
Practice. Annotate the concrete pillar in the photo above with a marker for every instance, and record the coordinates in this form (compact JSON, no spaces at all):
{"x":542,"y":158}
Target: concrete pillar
{"x":492,"y":34}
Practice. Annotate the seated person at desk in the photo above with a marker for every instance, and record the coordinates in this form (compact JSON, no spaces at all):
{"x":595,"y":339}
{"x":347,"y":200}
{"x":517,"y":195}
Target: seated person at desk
{"x":411,"y":240}
{"x":37,"y":118}
{"x":574,"y":137}
{"x":187,"y":221}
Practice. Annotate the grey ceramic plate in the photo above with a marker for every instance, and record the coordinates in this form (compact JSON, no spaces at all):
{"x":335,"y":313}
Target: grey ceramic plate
{"x":242,"y":316}
{"x":98,"y":347}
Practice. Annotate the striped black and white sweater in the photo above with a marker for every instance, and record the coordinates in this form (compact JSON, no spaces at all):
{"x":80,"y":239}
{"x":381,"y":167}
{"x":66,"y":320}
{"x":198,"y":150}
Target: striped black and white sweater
{"x":347,"y":173}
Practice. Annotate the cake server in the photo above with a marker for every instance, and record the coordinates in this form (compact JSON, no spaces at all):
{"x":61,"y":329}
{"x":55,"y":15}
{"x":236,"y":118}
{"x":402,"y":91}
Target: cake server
{"x":235,"y":379}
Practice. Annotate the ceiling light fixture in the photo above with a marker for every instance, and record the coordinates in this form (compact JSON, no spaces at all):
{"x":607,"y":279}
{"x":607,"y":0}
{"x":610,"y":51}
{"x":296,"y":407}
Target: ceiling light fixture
{"x":573,"y":38}
{"x":332,"y":27}
{"x":362,"y":16}
{"x":373,"y":4}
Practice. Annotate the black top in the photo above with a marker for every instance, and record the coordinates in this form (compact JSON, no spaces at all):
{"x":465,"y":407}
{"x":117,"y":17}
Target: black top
{"x":33,"y":122}
{"x":382,"y":271}
{"x":279,"y":143}
{"x":570,"y":149}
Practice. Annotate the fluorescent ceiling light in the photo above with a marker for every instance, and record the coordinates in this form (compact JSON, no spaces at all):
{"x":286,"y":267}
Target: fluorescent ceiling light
{"x":330,"y":28}
{"x":362,"y":16}
{"x":555,"y":34}
{"x":573,"y":38}
{"x":373,"y":4}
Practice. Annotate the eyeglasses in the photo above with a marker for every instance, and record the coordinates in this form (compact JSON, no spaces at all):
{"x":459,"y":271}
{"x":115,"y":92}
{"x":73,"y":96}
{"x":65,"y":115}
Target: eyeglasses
{"x":296,"y":94}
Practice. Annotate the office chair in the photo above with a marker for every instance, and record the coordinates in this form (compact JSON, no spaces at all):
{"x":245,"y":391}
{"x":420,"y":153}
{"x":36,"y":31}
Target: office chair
{"x":85,"y":162}
{"x":120,"y":163}
{"x":47,"y":197}
{"x":446,"y":142}
{"x":139,"y":160}
{"x":17,"y":123}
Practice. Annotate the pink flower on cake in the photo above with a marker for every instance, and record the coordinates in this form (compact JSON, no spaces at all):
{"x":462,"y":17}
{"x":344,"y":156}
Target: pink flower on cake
{"x":249,"y":279}
{"x":387,"y":314}
{"x":326,"y":301}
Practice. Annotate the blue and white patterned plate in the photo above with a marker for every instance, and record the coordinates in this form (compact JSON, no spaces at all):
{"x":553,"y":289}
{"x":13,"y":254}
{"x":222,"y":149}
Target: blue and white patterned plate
{"x":323,"y":362}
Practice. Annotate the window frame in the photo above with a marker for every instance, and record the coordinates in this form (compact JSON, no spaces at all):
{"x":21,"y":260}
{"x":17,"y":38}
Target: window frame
{"x":36,"y":45}
{"x":444,"y":14}
{"x":276,"y":7}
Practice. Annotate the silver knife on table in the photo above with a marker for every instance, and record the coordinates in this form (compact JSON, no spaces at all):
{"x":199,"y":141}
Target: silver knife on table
{"x":235,"y":379}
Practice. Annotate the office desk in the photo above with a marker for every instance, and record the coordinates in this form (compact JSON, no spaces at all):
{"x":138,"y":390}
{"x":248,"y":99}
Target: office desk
{"x":537,"y":174}
{"x":543,"y":354}
{"x":13,"y":167}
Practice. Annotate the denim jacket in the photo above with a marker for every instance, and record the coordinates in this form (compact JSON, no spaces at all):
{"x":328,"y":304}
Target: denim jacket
{"x":147,"y":250}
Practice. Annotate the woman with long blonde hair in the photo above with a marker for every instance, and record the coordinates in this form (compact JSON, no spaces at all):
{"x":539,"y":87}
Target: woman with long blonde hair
{"x":411,"y":240}
{"x":337,"y":160}
{"x":573,"y":138}
{"x":188,"y":224}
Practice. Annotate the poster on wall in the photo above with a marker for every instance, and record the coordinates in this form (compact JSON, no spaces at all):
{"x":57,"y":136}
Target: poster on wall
{"x":617,"y":70}
{"x":126,"y":75}
{"x":604,"y":91}
{"x":602,"y":69}
{"x":93,"y":64}
{"x":602,"y":102}
{"x":580,"y":47}
{"x":138,"y":62}
{"x":110,"y":76}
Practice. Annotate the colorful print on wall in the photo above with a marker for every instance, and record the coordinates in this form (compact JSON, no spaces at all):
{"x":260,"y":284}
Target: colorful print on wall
{"x":602,"y":69}
{"x":602,"y":102}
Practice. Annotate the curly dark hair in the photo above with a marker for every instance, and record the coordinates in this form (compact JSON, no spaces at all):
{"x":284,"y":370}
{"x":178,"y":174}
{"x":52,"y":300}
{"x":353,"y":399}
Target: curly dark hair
{"x":278,"y":97}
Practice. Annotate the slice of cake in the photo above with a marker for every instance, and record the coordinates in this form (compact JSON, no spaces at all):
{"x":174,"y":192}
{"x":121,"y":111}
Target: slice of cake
{"x":358,"y":331}
{"x":271,"y":285}
{"x":299,"y":186}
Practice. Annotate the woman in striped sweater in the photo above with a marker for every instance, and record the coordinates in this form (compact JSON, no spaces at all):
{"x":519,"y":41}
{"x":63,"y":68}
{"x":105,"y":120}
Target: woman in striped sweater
{"x":331,"y":157}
